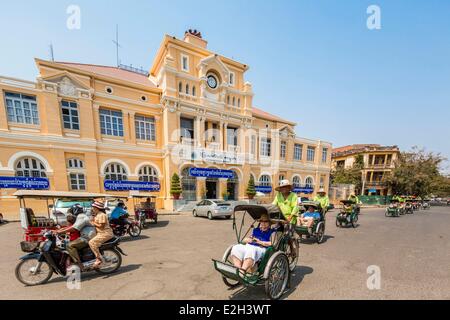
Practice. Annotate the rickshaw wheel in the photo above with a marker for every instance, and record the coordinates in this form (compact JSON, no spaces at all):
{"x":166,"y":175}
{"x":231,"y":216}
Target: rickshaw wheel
{"x":386,"y":213}
{"x":276,"y":275}
{"x":292,"y":252}
{"x":338,"y":223}
{"x":320,"y":233}
{"x":226,"y":259}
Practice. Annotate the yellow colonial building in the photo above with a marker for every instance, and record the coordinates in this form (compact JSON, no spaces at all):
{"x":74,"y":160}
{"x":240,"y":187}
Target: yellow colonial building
{"x":81,"y":126}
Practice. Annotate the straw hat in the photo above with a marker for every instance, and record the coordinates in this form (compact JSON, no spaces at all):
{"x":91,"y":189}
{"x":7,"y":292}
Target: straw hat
{"x":98,"y":205}
{"x":284,"y":183}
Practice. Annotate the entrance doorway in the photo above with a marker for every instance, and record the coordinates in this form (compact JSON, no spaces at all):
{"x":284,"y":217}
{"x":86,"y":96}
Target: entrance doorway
{"x":211,"y":189}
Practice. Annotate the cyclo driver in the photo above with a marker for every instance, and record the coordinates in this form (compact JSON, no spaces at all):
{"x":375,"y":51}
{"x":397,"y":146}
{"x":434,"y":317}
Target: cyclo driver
{"x":83,"y":226}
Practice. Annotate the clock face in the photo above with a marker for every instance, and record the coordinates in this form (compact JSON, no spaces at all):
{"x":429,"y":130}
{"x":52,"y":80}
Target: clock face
{"x":212,"y":82}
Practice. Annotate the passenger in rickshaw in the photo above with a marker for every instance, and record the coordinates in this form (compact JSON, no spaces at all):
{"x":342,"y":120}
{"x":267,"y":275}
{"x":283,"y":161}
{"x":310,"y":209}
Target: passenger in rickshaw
{"x":287,"y":201}
{"x":307,"y":218}
{"x":323,"y":199}
{"x":147,"y":204}
{"x":246,"y":255}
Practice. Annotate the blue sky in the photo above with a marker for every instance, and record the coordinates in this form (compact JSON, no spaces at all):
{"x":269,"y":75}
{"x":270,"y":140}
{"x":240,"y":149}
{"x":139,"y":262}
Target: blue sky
{"x":313,"y":62}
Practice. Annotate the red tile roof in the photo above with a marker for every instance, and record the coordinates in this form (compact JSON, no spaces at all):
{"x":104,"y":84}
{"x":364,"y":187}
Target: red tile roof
{"x":113,"y":72}
{"x":265,"y":115}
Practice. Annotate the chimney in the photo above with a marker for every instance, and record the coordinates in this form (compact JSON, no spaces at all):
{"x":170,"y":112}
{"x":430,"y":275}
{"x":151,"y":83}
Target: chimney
{"x":195,"y":37}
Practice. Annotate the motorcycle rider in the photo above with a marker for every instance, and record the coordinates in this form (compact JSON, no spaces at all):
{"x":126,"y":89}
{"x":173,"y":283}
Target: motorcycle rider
{"x":119,"y":215}
{"x":356,"y":202}
{"x":84,"y":227}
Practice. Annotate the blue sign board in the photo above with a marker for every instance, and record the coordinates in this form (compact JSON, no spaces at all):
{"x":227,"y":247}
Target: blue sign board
{"x":111,"y":185}
{"x":373,"y":190}
{"x":305,"y":190}
{"x":264,"y":189}
{"x":210,"y":173}
{"x":24,"y":183}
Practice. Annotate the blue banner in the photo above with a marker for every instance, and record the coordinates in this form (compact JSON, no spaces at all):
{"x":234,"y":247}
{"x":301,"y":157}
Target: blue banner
{"x":264,"y":189}
{"x":111,"y":185}
{"x":210,"y":173}
{"x":306,"y":190}
{"x":24,"y":183}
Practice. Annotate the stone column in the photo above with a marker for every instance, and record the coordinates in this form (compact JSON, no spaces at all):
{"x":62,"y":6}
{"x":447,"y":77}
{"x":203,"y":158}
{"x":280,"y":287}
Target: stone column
{"x":221,"y":136}
{"x":132,"y":126}
{"x":223,"y":187}
{"x":97,"y":130}
{"x":201,"y":188}
{"x":225,"y":137}
{"x":158,"y":132}
{"x":3,"y":114}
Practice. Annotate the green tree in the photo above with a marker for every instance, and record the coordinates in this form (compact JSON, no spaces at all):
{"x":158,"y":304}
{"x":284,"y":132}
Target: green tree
{"x":251,"y":190}
{"x":351,"y":175}
{"x":175,"y":185}
{"x":417,"y":173}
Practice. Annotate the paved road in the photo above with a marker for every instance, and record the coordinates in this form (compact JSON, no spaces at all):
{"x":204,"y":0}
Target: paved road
{"x":173,"y":261}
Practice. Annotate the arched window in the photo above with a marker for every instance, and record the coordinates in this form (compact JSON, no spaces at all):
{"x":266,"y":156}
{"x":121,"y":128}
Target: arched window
{"x":30,"y":167}
{"x":75,"y":164}
{"x":309,"y":182}
{"x":296,"y":182}
{"x":194,"y":91}
{"x":187,"y":89}
{"x":239,"y":103}
{"x":264,"y":180}
{"x":180,"y":87}
{"x":228,"y":99}
{"x":76,"y":174}
{"x":148,"y":174}
{"x":234,"y":101}
{"x":115,"y":172}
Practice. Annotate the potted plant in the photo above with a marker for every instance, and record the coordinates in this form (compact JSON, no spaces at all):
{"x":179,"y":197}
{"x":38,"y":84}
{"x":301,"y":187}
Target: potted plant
{"x":251,"y":190}
{"x":175,"y":187}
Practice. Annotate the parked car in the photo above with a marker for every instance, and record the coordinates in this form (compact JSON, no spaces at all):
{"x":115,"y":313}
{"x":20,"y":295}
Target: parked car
{"x":213,"y":209}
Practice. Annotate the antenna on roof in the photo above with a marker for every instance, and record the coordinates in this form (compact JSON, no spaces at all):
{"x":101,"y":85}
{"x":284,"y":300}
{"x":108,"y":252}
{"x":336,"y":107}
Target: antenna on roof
{"x":52,"y":55}
{"x":117,"y":43}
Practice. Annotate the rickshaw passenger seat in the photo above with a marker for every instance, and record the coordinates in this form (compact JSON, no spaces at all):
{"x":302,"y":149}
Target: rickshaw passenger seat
{"x":31,"y":217}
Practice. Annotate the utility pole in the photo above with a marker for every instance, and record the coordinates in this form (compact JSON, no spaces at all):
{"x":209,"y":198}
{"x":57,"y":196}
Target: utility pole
{"x":117,"y":43}
{"x":52,"y":55}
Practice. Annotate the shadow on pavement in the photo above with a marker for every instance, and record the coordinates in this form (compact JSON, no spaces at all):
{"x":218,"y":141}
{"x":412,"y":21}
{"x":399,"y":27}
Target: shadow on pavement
{"x":259,"y":293}
{"x":312,"y":240}
{"x":92,"y":275}
{"x":160,"y":224}
{"x":131,"y":239}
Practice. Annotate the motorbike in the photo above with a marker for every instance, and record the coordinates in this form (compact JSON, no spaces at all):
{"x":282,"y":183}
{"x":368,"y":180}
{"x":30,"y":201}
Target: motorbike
{"x":50,"y":256}
{"x":129,"y":226}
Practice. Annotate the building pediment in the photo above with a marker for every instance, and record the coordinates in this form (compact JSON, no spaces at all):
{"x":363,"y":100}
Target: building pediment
{"x":214,"y":62}
{"x":66,"y":84}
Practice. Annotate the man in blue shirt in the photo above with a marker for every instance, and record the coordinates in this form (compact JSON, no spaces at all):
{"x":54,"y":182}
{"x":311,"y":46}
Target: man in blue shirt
{"x":119,"y":214}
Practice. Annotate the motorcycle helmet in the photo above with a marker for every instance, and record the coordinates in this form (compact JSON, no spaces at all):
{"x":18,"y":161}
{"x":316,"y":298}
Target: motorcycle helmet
{"x":76,"y":209}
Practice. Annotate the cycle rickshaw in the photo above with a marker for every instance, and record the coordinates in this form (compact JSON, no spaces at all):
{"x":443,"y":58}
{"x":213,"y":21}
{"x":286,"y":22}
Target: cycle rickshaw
{"x":318,"y":228}
{"x":348,"y":215}
{"x":426,"y":204}
{"x":409,"y":206}
{"x":393,"y":210}
{"x":145,"y":209}
{"x":280,"y":259}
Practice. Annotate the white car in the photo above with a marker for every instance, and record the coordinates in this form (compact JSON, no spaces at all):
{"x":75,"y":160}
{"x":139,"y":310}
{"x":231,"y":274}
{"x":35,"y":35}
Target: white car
{"x":212,"y":209}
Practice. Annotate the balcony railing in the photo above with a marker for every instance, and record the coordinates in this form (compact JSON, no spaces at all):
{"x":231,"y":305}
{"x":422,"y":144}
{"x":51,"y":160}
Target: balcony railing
{"x":234,"y":149}
{"x":188,"y":141}
{"x":380,"y":166}
{"x":213,"y":145}
{"x":376,"y":184}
